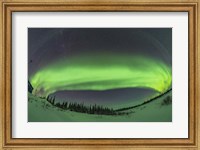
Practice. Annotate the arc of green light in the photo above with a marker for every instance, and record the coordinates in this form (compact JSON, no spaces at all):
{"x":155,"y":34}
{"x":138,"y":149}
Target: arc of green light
{"x":103,"y":72}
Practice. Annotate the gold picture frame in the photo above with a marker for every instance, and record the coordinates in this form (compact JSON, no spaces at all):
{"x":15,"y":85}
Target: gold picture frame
{"x":9,"y":6}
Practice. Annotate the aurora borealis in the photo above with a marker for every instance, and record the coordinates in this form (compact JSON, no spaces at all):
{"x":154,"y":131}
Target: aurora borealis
{"x":122,"y":72}
{"x":99,"y":60}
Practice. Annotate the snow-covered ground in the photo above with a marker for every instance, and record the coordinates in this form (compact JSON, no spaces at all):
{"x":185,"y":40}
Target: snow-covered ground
{"x":40,"y":110}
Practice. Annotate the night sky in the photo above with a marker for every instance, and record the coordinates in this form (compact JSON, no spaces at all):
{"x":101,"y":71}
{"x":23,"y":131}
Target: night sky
{"x":106,"y":66}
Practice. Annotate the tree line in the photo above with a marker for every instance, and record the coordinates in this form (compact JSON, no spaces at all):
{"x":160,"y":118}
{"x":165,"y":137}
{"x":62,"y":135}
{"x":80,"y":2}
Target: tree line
{"x":80,"y":107}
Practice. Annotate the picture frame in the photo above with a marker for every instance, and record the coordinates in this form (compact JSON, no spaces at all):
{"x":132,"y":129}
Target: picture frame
{"x":10,"y":6}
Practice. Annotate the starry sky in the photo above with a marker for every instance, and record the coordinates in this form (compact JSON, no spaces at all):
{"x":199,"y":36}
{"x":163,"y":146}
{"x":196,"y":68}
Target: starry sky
{"x":106,"y":66}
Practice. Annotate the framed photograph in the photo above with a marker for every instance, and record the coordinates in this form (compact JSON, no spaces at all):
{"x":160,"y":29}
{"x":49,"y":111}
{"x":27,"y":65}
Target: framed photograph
{"x":106,"y":75}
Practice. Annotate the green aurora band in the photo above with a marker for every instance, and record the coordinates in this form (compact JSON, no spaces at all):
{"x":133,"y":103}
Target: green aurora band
{"x":102,"y":72}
